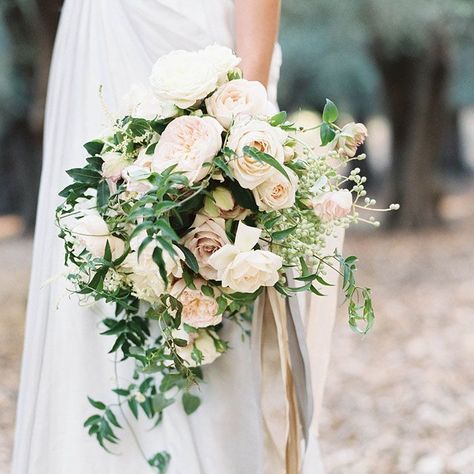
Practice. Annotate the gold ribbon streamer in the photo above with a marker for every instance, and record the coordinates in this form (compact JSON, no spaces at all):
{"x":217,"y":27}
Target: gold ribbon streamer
{"x":282,"y":438}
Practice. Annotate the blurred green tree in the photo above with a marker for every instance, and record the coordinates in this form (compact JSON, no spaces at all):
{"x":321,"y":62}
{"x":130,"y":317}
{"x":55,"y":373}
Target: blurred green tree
{"x":369,"y":54}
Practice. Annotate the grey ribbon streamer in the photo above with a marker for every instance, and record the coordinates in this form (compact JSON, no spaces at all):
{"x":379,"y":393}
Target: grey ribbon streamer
{"x":301,"y":370}
{"x":299,"y":360}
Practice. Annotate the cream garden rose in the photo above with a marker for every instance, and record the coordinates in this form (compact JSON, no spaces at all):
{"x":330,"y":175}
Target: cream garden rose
{"x":188,"y":142}
{"x":248,"y":171}
{"x":203,"y":341}
{"x":199,"y":310}
{"x":113,"y":165}
{"x":143,"y":273}
{"x":237,"y":97}
{"x":206,"y":237}
{"x":349,"y":139}
{"x":243,"y":269}
{"x":140,"y":102}
{"x":92,"y":232}
{"x":183,"y":78}
{"x":221,"y":58}
{"x":333,"y":205}
{"x":277,"y":192}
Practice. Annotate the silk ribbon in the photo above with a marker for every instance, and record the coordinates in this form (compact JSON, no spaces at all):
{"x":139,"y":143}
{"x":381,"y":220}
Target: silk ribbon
{"x":283,"y":372}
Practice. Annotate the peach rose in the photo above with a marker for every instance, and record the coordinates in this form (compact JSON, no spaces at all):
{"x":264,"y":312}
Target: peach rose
{"x":188,"y":142}
{"x":351,"y":137}
{"x":199,"y":310}
{"x":206,"y":237}
{"x":237,"y":97}
{"x":258,"y":134}
{"x":333,"y":205}
{"x":277,"y":192}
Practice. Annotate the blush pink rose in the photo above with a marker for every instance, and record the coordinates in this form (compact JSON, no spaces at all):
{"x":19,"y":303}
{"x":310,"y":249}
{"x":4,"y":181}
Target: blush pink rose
{"x":199,"y":310}
{"x":237,"y":97}
{"x":333,"y":205}
{"x":188,"y":142}
{"x":206,"y":237}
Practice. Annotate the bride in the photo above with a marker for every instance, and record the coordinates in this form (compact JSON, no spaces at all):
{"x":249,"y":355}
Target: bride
{"x":113,"y":43}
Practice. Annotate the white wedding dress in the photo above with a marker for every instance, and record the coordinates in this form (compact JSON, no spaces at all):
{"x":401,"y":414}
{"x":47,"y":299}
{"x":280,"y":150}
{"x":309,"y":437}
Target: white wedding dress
{"x":114,"y":43}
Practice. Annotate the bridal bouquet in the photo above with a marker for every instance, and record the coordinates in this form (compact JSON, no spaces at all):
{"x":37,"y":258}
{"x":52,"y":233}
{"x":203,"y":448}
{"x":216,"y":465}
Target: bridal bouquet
{"x":198,"y":198}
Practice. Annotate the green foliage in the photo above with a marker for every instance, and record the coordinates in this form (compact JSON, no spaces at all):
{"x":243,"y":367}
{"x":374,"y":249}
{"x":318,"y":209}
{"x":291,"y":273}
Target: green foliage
{"x":190,"y":403}
{"x":160,"y":461}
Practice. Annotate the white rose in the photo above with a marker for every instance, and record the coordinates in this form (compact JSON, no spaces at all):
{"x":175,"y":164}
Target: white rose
{"x":91,"y":231}
{"x":277,"y":192}
{"x":199,"y":310}
{"x":203,"y":341}
{"x":262,"y":136}
{"x":136,"y":179}
{"x":237,"y":97}
{"x":221,"y":58}
{"x":242,"y":269}
{"x":221,"y":203}
{"x":140,"y":102}
{"x":333,"y":205}
{"x":114,"y":164}
{"x":183,"y":78}
{"x":351,"y":137}
{"x":143,"y":273}
{"x":188,"y":142}
{"x":206,"y":237}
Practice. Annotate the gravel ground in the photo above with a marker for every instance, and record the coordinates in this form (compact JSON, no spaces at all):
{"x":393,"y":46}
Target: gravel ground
{"x":399,"y":400}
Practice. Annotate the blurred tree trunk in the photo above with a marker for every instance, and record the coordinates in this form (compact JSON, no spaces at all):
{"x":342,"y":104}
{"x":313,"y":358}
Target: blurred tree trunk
{"x":452,"y":159}
{"x":416,"y":91}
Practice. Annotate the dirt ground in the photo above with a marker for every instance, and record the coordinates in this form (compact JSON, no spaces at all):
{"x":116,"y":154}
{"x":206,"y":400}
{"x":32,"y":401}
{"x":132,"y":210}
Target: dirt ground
{"x":399,"y":400}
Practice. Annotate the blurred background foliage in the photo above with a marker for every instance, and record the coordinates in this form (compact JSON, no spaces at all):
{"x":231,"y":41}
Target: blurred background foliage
{"x":410,"y":62}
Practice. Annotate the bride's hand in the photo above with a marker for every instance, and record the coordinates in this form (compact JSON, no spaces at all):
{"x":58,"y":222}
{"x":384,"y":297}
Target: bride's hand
{"x":256,"y":26}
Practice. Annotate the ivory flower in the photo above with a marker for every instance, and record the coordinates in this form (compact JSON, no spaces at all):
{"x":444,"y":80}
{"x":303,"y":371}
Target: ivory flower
{"x":183,"y":78}
{"x":91,"y":231}
{"x":237,"y":97}
{"x":206,"y":237}
{"x":114,"y":164}
{"x":258,"y":134}
{"x":203,"y":341}
{"x":199,"y":310}
{"x":188,"y":142}
{"x":351,"y":137}
{"x":221,"y":58}
{"x":333,"y":205}
{"x":136,"y":179}
{"x":277,"y":192}
{"x":243,"y":269}
{"x":143,"y":272}
{"x":140,"y":102}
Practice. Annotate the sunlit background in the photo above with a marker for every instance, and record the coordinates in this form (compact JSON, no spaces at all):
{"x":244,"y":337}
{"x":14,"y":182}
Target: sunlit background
{"x":400,"y":400}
